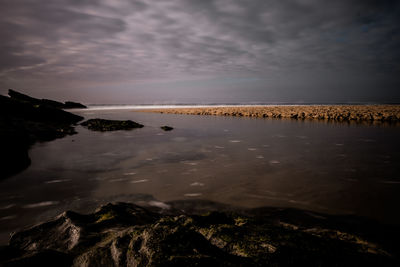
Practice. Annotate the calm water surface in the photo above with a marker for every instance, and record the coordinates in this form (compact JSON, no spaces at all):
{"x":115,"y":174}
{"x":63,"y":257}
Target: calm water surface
{"x":242,"y":162}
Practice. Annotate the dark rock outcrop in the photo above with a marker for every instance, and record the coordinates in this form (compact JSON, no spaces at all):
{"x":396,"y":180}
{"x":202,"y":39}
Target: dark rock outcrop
{"x":43,"y":102}
{"x":24,"y":121}
{"x":70,"y":104}
{"x":128,"y":235}
{"x":167,"y":128}
{"x":23,"y":98}
{"x":110,"y":125}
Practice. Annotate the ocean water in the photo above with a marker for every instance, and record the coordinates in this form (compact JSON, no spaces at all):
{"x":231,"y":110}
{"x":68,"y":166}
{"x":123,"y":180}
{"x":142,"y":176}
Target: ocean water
{"x":331,"y":168}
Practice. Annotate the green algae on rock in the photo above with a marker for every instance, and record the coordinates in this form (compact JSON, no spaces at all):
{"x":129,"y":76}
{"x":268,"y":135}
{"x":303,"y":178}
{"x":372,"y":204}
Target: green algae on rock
{"x":110,"y":125}
{"x":124,"y":234}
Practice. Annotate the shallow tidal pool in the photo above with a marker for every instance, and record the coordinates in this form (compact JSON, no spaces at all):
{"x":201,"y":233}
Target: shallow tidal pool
{"x":333,"y":168}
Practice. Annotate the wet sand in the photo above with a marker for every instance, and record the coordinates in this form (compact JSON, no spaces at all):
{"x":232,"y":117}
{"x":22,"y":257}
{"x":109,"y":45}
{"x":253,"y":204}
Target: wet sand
{"x":357,"y":113}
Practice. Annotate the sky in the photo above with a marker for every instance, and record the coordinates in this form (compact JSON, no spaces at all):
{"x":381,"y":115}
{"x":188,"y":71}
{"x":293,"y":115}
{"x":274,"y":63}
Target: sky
{"x":201,"y":51}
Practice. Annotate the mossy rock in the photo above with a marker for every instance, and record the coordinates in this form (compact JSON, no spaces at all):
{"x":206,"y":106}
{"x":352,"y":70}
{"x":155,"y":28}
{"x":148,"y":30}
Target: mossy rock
{"x":124,"y":234}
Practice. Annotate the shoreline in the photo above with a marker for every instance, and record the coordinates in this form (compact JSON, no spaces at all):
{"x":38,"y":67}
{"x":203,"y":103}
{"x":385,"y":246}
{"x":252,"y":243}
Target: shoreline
{"x":24,"y":121}
{"x":357,"y":113}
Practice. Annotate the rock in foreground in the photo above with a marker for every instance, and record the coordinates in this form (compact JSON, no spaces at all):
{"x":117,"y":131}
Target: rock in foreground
{"x":110,"y":125}
{"x":128,"y":235}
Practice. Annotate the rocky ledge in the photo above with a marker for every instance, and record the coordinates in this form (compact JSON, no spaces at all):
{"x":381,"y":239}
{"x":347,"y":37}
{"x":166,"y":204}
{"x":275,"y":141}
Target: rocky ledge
{"x":124,"y":234}
{"x":24,"y":121}
{"x":110,"y":125}
{"x":349,"y":113}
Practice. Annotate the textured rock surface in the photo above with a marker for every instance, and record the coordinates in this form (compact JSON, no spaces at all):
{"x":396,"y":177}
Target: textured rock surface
{"x":128,"y":235}
{"x":110,"y":125}
{"x":24,"y":122}
{"x":365,"y":113}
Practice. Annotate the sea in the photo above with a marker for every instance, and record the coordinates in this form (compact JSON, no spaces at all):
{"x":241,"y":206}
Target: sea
{"x":211,"y":162}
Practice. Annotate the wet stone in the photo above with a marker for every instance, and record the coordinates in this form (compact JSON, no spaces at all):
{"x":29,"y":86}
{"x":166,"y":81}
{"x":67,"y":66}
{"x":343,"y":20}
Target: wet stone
{"x":110,"y":125}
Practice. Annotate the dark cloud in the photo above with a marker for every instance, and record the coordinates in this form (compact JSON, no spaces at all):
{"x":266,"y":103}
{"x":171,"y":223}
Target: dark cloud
{"x":287,"y":49}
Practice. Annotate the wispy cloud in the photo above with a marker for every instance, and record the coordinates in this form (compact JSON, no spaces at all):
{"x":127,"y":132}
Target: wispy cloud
{"x":297,"y":46}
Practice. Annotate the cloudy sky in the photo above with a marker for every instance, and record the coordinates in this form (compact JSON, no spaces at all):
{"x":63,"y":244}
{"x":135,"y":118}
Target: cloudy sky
{"x":201,"y":51}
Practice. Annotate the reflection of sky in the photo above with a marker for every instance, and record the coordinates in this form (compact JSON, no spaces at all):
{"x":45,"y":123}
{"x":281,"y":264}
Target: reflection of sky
{"x":308,"y":165}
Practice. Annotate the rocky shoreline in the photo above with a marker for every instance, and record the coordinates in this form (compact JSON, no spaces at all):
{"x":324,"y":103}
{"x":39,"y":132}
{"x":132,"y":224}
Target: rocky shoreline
{"x":25,"y":120}
{"x":123,"y":234}
{"x":349,"y":113}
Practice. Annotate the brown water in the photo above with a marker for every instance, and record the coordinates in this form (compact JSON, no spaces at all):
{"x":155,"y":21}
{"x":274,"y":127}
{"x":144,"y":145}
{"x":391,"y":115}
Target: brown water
{"x":242,"y":162}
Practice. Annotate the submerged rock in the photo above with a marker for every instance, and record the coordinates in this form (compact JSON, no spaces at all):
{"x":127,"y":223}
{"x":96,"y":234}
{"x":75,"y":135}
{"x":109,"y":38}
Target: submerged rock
{"x":167,"y":128}
{"x":110,"y":125}
{"x":124,"y":234}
